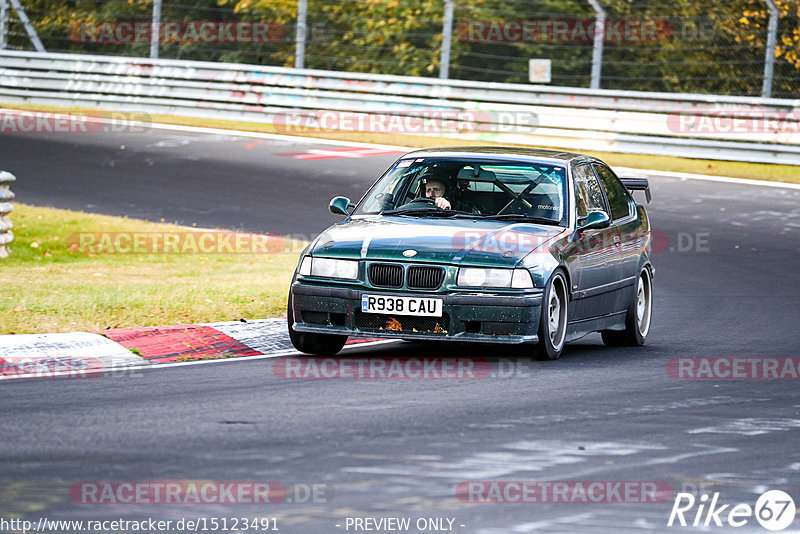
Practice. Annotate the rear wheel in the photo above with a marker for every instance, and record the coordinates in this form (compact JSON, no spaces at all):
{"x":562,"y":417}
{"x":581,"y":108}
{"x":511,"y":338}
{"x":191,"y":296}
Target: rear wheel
{"x":637,"y":318}
{"x":311,"y":343}
{"x":553,"y":319}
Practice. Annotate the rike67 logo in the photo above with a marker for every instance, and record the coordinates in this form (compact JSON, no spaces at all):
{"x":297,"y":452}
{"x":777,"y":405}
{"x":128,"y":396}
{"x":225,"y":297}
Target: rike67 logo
{"x":774,"y":510}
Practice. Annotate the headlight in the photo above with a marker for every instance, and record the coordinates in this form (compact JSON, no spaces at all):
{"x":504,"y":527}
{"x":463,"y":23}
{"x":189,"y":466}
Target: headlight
{"x":473,"y":277}
{"x":329,"y":268}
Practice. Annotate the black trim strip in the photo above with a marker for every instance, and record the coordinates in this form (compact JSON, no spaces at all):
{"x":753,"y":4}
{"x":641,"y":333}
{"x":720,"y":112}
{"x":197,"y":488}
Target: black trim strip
{"x":605,"y":288}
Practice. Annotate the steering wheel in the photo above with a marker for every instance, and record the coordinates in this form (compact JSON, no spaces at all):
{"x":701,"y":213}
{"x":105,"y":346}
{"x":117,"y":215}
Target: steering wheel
{"x":419,"y":200}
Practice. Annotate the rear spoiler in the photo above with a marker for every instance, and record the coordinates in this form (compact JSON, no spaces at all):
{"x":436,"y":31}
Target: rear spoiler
{"x":638,"y":184}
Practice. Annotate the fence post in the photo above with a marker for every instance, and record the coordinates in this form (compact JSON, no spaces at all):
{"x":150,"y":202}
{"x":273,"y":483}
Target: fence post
{"x":31,"y":31}
{"x":3,"y":24}
{"x":769,"y":60}
{"x":6,"y":236}
{"x":300,"y":35}
{"x":597,"y":49}
{"x":447,"y":38}
{"x":155,"y":29}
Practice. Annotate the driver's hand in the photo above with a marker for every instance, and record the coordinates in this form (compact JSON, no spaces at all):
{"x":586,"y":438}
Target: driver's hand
{"x":443,"y":203}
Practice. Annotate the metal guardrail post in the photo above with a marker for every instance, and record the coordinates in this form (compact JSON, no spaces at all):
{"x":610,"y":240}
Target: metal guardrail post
{"x":155,"y":29}
{"x":447,"y":38}
{"x":300,"y":34}
{"x":6,"y":236}
{"x":599,"y":38}
{"x":769,"y":60}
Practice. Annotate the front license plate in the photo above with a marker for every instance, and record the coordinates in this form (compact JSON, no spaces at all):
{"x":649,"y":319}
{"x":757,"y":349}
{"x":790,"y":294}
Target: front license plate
{"x":401,"y":305}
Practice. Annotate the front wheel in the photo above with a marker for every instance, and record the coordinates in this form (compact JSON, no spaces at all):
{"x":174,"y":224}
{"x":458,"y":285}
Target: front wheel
{"x":637,"y":318}
{"x":311,"y":343}
{"x":553,"y":319}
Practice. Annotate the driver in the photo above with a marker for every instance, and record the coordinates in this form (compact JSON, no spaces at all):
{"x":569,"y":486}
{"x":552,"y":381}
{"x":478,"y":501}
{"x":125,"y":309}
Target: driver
{"x":435,"y":189}
{"x":437,"y":182}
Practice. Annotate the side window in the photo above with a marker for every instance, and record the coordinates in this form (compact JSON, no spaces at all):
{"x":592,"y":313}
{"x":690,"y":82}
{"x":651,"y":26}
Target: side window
{"x":618,"y":197}
{"x":588,"y":196}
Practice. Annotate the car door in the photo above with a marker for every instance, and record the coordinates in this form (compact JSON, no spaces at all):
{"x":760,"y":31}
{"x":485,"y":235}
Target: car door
{"x":627,"y":249}
{"x":596,"y":251}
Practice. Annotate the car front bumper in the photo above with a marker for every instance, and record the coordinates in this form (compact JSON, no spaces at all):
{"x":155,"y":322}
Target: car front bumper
{"x":467,"y":316}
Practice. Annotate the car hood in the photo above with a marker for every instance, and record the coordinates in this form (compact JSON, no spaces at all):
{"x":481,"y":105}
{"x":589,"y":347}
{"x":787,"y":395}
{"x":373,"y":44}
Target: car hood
{"x":434,"y":240}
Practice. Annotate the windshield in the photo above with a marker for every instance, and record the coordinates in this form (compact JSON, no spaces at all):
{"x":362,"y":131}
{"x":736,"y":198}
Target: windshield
{"x":490,"y":189}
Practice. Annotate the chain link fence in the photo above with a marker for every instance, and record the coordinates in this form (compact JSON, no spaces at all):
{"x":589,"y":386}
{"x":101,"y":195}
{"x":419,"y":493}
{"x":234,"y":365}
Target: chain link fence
{"x":714,"y":47}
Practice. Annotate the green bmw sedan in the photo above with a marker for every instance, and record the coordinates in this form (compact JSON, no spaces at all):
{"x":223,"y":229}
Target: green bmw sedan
{"x":482,"y":245}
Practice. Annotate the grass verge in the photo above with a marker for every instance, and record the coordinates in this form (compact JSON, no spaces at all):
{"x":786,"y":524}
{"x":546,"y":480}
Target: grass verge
{"x":52,"y":283}
{"x":736,"y":169}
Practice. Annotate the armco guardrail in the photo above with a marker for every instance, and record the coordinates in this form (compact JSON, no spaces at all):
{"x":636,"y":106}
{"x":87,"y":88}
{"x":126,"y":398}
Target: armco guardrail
{"x":6,"y":236}
{"x":698,"y":126}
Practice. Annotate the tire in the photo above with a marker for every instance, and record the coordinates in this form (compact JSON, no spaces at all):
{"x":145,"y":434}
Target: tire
{"x":553,"y":319}
{"x":311,"y":343}
{"x":637,"y":318}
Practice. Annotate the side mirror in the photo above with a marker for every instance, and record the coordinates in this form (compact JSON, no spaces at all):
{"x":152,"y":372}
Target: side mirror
{"x":595,"y":221}
{"x":341,"y":206}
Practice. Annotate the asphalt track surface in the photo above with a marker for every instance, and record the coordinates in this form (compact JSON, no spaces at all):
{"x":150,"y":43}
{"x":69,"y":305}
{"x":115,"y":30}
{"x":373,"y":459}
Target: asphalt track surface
{"x":727,"y":285}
